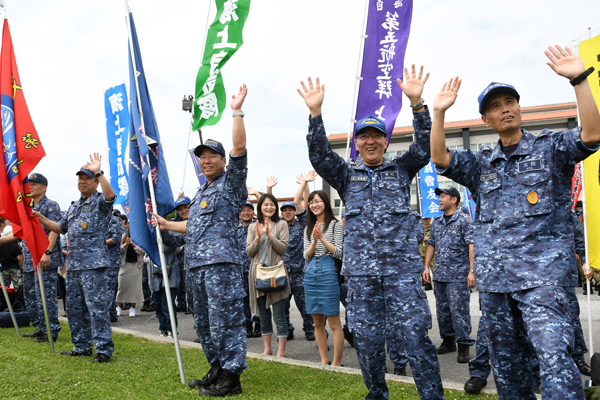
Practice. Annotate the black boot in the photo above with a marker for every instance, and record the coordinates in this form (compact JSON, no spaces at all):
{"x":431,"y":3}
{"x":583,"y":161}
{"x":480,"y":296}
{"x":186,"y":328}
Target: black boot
{"x":448,"y":346}
{"x":400,"y":371}
{"x":228,"y":384}
{"x":583,"y":367}
{"x":348,"y":336}
{"x":209,"y":379}
{"x":37,"y":333}
{"x":475,"y":384}
{"x":463,"y":353}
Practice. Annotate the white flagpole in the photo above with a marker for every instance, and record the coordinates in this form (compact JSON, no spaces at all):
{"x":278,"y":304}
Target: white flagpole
{"x":187,"y":152}
{"x":10,"y":309}
{"x":587,"y":267}
{"x":39,"y":272}
{"x":159,"y":241}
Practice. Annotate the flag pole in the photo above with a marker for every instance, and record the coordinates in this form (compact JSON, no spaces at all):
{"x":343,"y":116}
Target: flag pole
{"x":10,"y":309}
{"x":587,"y":266}
{"x":192,"y":112}
{"x":39,"y":272}
{"x":159,"y":241}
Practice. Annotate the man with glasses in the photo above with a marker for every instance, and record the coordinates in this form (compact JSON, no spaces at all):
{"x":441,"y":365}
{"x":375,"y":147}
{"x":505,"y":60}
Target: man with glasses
{"x":382,"y":263}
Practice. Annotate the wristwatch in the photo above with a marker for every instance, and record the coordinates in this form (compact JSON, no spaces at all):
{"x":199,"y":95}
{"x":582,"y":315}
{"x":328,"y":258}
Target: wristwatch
{"x":99,"y":174}
{"x":47,"y":252}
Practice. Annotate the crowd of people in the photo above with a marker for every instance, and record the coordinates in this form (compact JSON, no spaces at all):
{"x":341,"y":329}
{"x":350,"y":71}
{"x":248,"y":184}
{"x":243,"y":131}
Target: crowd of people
{"x":377,"y":260}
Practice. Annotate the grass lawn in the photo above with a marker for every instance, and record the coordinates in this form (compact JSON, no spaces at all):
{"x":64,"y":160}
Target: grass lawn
{"x":142,"y":369}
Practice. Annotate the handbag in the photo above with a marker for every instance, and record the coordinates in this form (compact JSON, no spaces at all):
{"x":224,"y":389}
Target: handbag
{"x":270,"y":279}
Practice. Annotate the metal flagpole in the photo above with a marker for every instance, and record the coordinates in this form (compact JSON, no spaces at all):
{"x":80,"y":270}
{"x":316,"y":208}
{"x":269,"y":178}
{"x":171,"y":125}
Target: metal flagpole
{"x":159,"y":241}
{"x":43,"y":294}
{"x":187,"y":153}
{"x":363,"y":36}
{"x":587,"y":268}
{"x":10,"y":309}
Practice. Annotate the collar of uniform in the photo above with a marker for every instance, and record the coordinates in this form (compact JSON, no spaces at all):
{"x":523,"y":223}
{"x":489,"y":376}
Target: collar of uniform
{"x":386,"y":163}
{"x":42,"y":200}
{"x":207,"y":184}
{"x":453,"y":218}
{"x":525,"y":145}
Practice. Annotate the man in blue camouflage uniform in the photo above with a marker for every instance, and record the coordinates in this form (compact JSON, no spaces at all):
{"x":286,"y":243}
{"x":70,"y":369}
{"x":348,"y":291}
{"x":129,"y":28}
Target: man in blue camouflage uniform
{"x":87,"y":222}
{"x":114,"y":236}
{"x":382,"y":263}
{"x":524,"y":263}
{"x":213,"y":255}
{"x":451,"y":239}
{"x":246,"y":217}
{"x":295,"y":214}
{"x":184,"y":296}
{"x":50,"y":262}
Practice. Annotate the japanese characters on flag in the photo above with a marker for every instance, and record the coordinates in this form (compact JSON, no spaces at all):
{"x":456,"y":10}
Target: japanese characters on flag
{"x":117,"y":128}
{"x":576,"y":183}
{"x":388,"y":27}
{"x":430,"y":206}
{"x":223,"y":39}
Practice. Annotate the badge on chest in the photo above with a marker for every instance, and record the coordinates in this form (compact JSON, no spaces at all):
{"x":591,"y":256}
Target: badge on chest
{"x":529,"y":165}
{"x":389,"y":176}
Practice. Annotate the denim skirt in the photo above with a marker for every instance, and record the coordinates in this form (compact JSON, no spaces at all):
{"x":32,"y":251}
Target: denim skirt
{"x":321,"y":288}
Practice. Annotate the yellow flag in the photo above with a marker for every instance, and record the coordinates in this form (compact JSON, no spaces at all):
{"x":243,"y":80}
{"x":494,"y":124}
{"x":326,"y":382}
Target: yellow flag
{"x":589,"y":50}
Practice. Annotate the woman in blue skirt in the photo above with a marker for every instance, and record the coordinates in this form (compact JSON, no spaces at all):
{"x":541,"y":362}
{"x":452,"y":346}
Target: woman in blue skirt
{"x":323,"y":241}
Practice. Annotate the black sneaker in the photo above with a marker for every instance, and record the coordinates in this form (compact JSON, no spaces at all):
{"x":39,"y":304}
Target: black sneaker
{"x":228,"y":384}
{"x":256,"y":332}
{"x":209,"y":379}
{"x":584,"y":369}
{"x":74,"y":353}
{"x":448,"y":346}
{"x":101,"y":358}
{"x":310,"y":336}
{"x":475,"y":384}
{"x":36,"y":333}
{"x":400,"y":371}
{"x":290,"y":335}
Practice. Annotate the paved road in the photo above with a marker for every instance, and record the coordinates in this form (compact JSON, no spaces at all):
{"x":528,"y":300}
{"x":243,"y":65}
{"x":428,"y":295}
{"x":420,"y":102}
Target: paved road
{"x":301,"y":349}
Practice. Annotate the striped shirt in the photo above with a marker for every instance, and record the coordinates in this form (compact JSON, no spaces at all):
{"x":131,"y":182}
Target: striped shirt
{"x":334,"y":235}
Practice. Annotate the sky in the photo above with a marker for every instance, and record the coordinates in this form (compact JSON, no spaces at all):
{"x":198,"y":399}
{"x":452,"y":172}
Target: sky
{"x":70,"y":51}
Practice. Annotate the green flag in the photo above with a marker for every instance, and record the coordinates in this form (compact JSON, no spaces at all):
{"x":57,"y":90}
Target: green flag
{"x":224,"y":37}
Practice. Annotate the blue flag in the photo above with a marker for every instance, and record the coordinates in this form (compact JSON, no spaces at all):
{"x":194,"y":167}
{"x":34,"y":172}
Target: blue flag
{"x":117,"y":132}
{"x":469,"y":202}
{"x":430,"y":206}
{"x":196,"y":162}
{"x":146,"y":159}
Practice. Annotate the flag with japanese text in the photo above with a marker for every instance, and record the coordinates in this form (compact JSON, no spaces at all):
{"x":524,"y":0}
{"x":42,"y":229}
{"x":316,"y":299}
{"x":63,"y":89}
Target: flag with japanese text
{"x":146,"y":159}
{"x":117,"y":132}
{"x":388,"y":28}
{"x":196,"y":162}
{"x":576,"y":183}
{"x":428,"y":181}
{"x":589,"y":50}
{"x":223,"y":39}
{"x":22,"y":152}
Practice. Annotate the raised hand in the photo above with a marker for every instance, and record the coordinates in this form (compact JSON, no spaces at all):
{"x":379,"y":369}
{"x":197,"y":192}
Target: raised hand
{"x":271,"y":181}
{"x":447,"y":96}
{"x":564,"y":62}
{"x":413,"y":84}
{"x":310,"y":176}
{"x":313,"y":96}
{"x":238,"y":100}
{"x":95,"y":163}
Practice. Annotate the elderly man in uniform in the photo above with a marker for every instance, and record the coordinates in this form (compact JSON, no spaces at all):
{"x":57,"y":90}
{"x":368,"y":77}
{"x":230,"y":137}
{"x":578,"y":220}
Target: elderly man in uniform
{"x":213,"y":255}
{"x":50,"y":262}
{"x":114,"y":236}
{"x":451,"y":240}
{"x":295,"y":214}
{"x":386,"y":301}
{"x":522,"y":188}
{"x":87,"y":222}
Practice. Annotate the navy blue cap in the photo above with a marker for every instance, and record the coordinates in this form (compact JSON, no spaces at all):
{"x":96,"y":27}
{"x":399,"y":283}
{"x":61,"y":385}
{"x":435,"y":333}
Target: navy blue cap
{"x":492,"y":89}
{"x":372,"y":122}
{"x":85,"y":170}
{"x":39,"y":178}
{"x":212,"y":145}
{"x":249,"y":204}
{"x":183,"y":200}
{"x":452,"y":191}
{"x":580,"y":212}
{"x":288,"y":204}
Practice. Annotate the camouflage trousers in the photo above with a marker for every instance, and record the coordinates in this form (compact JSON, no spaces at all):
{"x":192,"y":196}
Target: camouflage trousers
{"x":579,"y":348}
{"x":89,"y":320}
{"x":297,"y":288}
{"x":538,"y":317}
{"x":453,"y":313}
{"x":480,"y":365}
{"x":33,"y":299}
{"x":13,"y":276}
{"x":392,"y":309}
{"x":219,"y":314}
{"x":112,"y":285}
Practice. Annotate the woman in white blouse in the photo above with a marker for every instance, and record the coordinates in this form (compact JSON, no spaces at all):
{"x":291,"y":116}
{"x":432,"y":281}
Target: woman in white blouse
{"x":323,"y":241}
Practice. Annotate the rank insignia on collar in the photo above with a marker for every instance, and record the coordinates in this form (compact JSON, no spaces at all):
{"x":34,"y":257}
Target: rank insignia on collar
{"x":203,"y":204}
{"x":532,"y":197}
{"x":84,"y":225}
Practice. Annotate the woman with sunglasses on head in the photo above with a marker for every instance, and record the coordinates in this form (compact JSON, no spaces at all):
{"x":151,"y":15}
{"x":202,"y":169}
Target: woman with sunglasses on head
{"x":323,"y":241}
{"x":266,"y":243}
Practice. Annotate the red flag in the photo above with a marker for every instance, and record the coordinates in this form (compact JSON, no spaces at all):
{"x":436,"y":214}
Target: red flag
{"x":22,"y":152}
{"x":576,"y":183}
